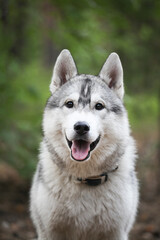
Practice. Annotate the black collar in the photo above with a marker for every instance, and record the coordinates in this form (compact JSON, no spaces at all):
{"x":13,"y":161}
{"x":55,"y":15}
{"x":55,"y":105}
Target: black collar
{"x":95,"y":180}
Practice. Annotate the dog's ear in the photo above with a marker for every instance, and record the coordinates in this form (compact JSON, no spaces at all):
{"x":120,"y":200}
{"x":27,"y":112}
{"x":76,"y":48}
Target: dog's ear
{"x":64,"y":69}
{"x":112,"y":74}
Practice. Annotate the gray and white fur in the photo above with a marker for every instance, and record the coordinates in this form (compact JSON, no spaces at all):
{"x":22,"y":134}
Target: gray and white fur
{"x":86,"y":133}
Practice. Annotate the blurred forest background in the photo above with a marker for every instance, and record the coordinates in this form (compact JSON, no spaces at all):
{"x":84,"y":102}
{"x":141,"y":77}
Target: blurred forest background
{"x":32,"y":33}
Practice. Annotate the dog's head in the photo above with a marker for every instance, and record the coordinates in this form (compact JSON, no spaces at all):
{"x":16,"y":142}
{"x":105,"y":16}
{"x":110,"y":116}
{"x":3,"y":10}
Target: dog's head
{"x":85,"y":118}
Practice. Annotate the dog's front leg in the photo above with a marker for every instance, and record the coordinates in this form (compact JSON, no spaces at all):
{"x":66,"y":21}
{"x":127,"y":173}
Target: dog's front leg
{"x":42,"y":236}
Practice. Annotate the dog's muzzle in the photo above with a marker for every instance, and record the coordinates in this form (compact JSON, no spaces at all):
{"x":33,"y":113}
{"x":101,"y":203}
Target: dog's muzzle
{"x":80,"y":146}
{"x":80,"y":149}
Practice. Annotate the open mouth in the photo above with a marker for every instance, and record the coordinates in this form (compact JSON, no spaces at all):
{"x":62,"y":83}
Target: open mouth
{"x":80,"y":149}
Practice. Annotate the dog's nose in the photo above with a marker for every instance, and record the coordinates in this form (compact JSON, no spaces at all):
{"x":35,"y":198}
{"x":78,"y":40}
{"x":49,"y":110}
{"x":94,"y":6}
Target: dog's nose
{"x":81,"y":128}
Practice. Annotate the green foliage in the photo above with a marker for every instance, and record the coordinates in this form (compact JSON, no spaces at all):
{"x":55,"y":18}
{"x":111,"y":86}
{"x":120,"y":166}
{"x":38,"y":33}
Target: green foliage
{"x":93,"y":29}
{"x":143,"y":110}
{"x":21,"y":133}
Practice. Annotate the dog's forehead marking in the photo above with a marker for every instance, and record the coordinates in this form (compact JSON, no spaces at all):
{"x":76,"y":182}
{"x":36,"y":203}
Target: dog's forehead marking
{"x":85,"y":92}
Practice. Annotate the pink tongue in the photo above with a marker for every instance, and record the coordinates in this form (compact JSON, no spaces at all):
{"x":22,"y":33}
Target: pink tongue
{"x":80,"y":149}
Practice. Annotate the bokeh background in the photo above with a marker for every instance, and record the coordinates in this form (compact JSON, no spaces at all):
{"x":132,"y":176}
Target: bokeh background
{"x":32,"y":33}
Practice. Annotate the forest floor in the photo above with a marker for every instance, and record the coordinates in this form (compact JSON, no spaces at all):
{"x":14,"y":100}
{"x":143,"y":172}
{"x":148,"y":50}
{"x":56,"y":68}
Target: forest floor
{"x":15,"y":222}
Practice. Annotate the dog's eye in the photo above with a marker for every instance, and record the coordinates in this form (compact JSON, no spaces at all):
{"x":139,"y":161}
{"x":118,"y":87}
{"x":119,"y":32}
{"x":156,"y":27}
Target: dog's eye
{"x":99,"y":106}
{"x":69,"y":104}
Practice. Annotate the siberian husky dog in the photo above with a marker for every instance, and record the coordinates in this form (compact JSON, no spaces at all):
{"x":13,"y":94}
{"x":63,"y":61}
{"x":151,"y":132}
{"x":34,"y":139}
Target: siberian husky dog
{"x":85,"y":186}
